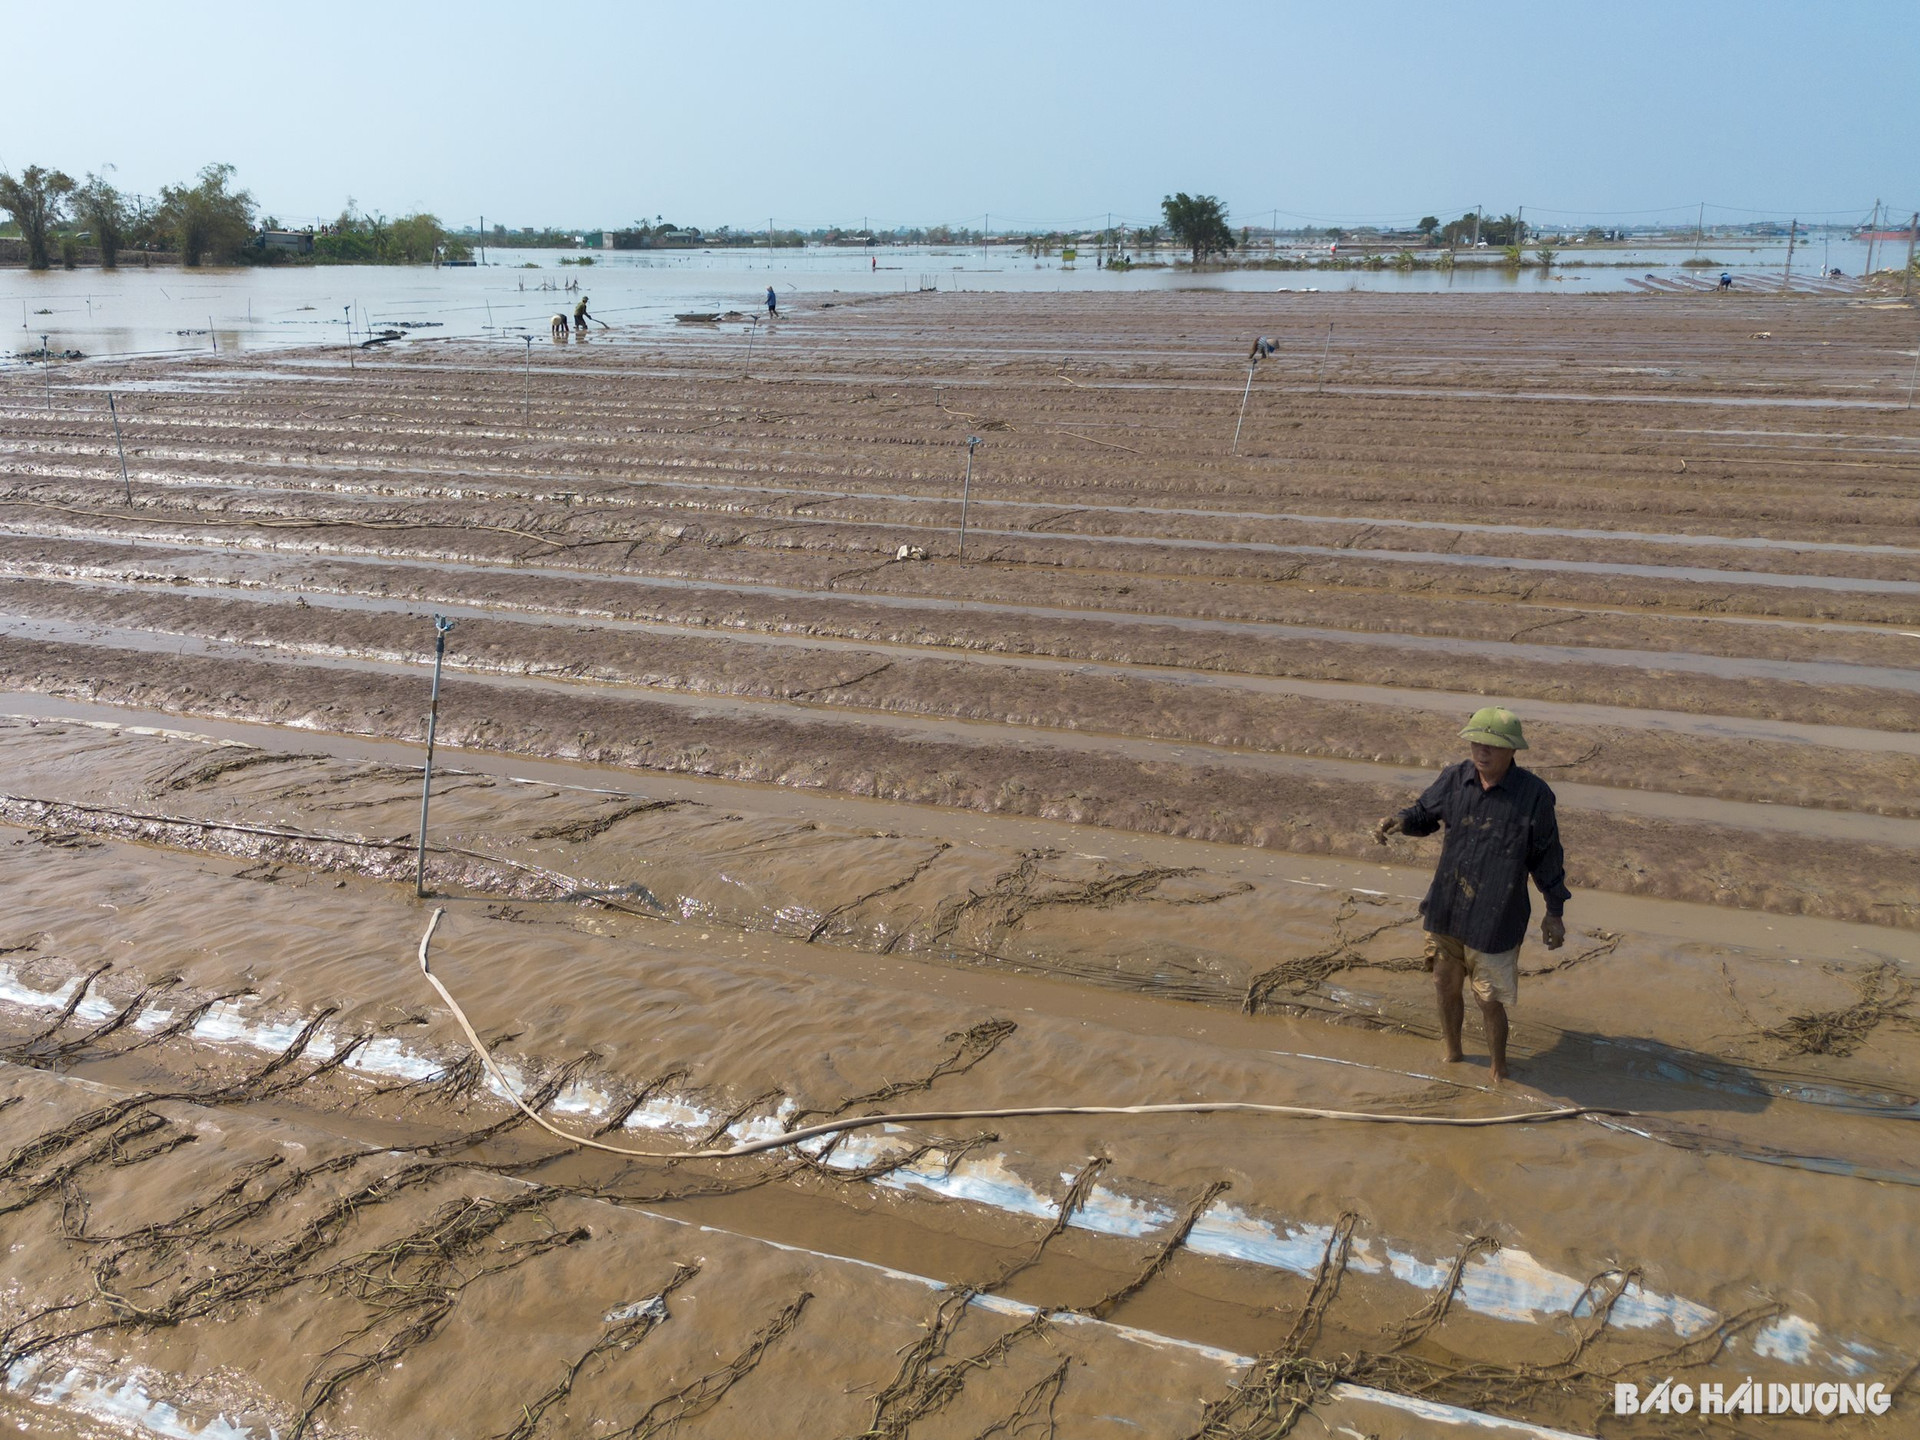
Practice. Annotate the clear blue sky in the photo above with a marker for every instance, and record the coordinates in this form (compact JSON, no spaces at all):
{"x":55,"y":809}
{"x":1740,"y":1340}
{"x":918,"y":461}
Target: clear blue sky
{"x":1036,"y":112}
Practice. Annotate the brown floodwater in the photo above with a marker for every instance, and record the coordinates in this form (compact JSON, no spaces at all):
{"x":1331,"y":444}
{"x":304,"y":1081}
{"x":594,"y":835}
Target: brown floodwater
{"x":741,"y":821}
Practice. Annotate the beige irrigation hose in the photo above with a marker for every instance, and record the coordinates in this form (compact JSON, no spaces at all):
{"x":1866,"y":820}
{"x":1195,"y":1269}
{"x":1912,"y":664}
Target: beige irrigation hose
{"x":836,"y":1127}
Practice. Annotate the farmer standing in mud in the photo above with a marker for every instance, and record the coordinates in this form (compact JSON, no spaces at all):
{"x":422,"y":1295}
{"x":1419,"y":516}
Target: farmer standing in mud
{"x":1500,"y":829}
{"x":580,"y":316}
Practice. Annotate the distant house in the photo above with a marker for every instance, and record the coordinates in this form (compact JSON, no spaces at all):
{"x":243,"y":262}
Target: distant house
{"x":299,"y":242}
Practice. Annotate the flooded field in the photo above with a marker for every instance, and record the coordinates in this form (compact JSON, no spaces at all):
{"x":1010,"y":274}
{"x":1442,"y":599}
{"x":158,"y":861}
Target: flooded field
{"x":209,"y":311}
{"x":765,"y":805}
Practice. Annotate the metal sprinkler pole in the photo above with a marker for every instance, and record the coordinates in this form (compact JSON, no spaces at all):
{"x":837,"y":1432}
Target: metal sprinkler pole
{"x":441,"y":625}
{"x":526,"y":388}
{"x":1243,"y":411}
{"x":747,"y":373}
{"x":120,"y":445}
{"x":46,"y":368}
{"x":348,"y":309}
{"x":966,"y":488}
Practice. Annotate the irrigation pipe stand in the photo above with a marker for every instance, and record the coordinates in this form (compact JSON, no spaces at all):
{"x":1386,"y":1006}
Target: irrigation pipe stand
{"x":120,"y":445}
{"x":966,"y":487}
{"x":1243,"y":410}
{"x":441,"y":625}
{"x":526,"y":389}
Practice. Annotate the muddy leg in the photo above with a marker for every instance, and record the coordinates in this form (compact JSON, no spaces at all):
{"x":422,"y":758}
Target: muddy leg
{"x":1494,"y":1015}
{"x":1448,"y":974}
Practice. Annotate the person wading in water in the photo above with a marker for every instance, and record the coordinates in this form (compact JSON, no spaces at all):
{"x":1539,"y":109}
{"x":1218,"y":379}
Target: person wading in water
{"x":1500,"y":829}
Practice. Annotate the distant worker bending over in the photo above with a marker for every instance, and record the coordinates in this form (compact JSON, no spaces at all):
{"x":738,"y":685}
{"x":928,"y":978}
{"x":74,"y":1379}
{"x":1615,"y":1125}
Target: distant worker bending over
{"x":1501,"y":828}
{"x":580,"y":316}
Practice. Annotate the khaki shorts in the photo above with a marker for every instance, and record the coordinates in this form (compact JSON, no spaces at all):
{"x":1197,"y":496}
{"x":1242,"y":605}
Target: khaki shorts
{"x":1494,"y":977}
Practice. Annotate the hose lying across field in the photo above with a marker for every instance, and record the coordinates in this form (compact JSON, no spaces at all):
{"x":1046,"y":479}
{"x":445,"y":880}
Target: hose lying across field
{"x":858,"y":1122}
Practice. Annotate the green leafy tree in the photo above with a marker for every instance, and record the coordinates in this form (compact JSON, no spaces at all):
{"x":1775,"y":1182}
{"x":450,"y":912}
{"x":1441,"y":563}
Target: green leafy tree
{"x":1428,"y":224}
{"x":105,"y":212}
{"x":36,"y":199}
{"x":207,"y":218}
{"x":1198,"y":222}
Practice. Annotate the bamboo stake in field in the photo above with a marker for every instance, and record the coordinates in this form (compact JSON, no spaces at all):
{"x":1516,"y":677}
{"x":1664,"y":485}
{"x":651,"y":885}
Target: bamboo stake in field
{"x":120,"y":445}
{"x":46,"y":367}
{"x":441,"y":625}
{"x":753,"y":330}
{"x":1324,"y":351}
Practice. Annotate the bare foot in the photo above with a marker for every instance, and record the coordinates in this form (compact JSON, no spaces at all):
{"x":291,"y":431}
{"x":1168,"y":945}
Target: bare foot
{"x":1499,"y":1074}
{"x":1454,"y":1057}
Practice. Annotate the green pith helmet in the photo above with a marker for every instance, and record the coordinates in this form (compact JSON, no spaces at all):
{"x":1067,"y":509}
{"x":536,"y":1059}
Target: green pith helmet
{"x":1495,"y":726}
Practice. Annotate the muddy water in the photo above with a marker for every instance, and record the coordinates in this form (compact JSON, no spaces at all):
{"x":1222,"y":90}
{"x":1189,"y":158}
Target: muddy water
{"x":779,"y":846}
{"x":754,"y":1018}
{"x":1837,"y":736}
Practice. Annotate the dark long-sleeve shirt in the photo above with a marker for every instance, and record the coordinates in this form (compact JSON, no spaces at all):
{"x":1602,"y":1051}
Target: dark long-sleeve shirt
{"x":1495,"y":839}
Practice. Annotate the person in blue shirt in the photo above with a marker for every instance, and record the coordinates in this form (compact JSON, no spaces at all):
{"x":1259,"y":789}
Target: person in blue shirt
{"x":773,"y":304}
{"x":1501,"y":829}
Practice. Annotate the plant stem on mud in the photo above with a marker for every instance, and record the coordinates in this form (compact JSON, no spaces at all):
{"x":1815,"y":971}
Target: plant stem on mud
{"x":441,"y":625}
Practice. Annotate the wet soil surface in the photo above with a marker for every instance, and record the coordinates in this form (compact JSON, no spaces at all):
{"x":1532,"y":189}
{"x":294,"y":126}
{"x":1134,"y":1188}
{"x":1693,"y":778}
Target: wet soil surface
{"x":1671,"y":527}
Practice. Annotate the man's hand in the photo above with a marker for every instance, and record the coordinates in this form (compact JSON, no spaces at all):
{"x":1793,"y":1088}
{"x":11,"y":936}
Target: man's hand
{"x":1553,"y":932}
{"x":1389,"y":826}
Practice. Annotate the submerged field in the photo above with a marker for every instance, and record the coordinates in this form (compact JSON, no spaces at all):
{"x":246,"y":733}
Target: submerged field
{"x":765,"y":804}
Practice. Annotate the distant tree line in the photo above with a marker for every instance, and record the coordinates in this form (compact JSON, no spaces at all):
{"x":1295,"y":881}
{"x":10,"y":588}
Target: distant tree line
{"x":207,"y":221}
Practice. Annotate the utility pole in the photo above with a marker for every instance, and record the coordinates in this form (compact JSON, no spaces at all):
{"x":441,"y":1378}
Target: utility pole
{"x":1793,"y":232}
{"x":1477,"y":208}
{"x":1873,"y":229}
{"x":966,"y":487}
{"x":441,"y":625}
{"x":1700,"y":227}
{"x":483,"y":239}
{"x":1520,"y":226}
{"x":1913,"y":234}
